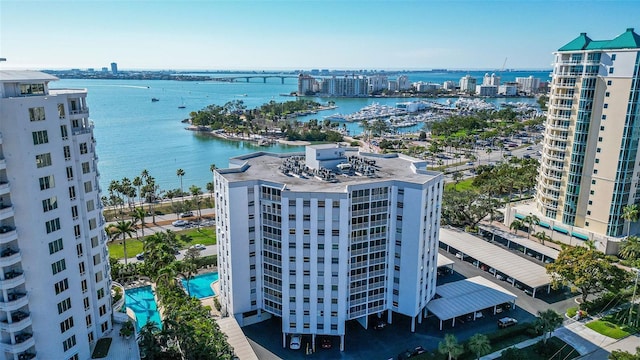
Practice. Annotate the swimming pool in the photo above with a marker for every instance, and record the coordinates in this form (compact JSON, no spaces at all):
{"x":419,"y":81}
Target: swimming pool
{"x":200,"y":286}
{"x":142,"y":302}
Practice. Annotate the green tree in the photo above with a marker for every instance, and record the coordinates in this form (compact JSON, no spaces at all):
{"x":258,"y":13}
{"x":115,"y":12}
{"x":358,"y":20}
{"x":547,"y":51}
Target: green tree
{"x":450,"y":347}
{"x":180,"y":173}
{"x":624,"y":355}
{"x":195,"y":198}
{"x":456,"y":177}
{"x":480,"y":345}
{"x":122,"y":229}
{"x":137,"y":182}
{"x":547,"y":322}
{"x":139,"y":216}
{"x":630,"y":248}
{"x":630,"y":214}
{"x":149,"y":340}
{"x":542,"y":236}
{"x":587,"y":269}
{"x":515,"y":226}
{"x":512,"y":353}
{"x":211,"y":189}
{"x":531,"y":221}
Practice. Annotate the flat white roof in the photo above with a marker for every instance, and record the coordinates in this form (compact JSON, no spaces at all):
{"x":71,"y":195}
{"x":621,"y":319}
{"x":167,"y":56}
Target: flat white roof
{"x":444,"y":261}
{"x":468,"y":296}
{"x":506,"y":262}
{"x":24,"y":75}
{"x":528,"y":243}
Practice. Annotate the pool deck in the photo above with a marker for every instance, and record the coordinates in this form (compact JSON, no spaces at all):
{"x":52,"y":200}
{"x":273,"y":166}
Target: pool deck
{"x":122,"y":348}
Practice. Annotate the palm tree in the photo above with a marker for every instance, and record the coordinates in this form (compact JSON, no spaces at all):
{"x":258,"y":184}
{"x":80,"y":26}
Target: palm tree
{"x":450,"y":347}
{"x":139,"y":215}
{"x":137,"y":182}
{"x":542,"y":236}
{"x":180,"y":174}
{"x":195,"y":193}
{"x":479,"y":345}
{"x":547,"y":322}
{"x":630,"y":248}
{"x":148,"y":340}
{"x":456,"y":177}
{"x":210,"y":189}
{"x":531,"y":220}
{"x":630,"y":213}
{"x":213,"y":168}
{"x":124,"y":229}
{"x":515,"y":226}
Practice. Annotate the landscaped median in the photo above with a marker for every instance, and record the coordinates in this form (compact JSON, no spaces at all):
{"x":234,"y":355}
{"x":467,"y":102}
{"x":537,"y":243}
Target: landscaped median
{"x":614,"y":325}
{"x":204,"y":236}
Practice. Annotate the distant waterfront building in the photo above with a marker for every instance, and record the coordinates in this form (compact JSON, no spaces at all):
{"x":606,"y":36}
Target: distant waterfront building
{"x":426,"y":87}
{"x":393,"y":85}
{"x":326,"y":236}
{"x":528,"y":85}
{"x":114,"y":68}
{"x":486,"y":90}
{"x":56,"y":300}
{"x":105,"y":69}
{"x":348,"y":85}
{"x":306,"y":84}
{"x":468,"y":84}
{"x":590,"y":167}
{"x":377,"y":83}
{"x":403,"y":83}
{"x":492,"y":80}
{"x":508,"y":89}
{"x":449,"y":85}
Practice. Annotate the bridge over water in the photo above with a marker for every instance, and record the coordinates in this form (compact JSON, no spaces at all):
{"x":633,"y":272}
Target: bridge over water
{"x":248,"y":78}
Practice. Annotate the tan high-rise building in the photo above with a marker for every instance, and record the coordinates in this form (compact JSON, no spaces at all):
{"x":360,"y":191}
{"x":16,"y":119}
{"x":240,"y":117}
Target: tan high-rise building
{"x":590,"y":165}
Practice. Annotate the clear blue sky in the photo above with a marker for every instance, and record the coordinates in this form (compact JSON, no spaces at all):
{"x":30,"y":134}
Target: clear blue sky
{"x":301,"y":34}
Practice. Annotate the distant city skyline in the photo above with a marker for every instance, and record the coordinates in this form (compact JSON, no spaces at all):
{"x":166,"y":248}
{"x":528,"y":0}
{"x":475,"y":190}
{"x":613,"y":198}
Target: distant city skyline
{"x":290,"y":35}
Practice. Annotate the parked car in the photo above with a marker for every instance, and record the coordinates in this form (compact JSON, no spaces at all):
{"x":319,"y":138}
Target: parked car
{"x":506,"y":322}
{"x":186,"y":214}
{"x":325,"y":342}
{"x":418,"y":350}
{"x":405,"y":355}
{"x":460,"y":255}
{"x":295,"y":342}
{"x":140,"y":256}
{"x":180,"y":223}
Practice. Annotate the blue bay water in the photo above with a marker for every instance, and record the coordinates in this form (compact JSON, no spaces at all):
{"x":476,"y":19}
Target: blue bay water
{"x":133,"y":133}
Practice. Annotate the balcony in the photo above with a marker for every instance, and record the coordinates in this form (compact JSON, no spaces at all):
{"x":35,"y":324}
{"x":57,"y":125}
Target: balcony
{"x":9,"y":257}
{"x":557,"y":126}
{"x":7,"y":234}
{"x":561,"y":106}
{"x":12,"y":279}
{"x":556,"y":137}
{"x":26,"y":341}
{"x":20,"y":321}
{"x":4,"y":188}
{"x":556,"y":147}
{"x":15,"y":301}
{"x":3,"y":163}
{"x":79,"y":113}
{"x":6,"y":211}
{"x":563,"y":96}
{"x":547,"y":156}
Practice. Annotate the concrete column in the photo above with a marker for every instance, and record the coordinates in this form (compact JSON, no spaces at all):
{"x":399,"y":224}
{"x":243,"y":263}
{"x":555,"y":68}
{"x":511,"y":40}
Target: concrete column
{"x":534,"y":293}
{"x":341,"y":342}
{"x":549,"y":289}
{"x":284,"y":340}
{"x":389,"y":317}
{"x":413,"y":324}
{"x":453,"y":322}
{"x":440,"y":324}
{"x":495,"y":307}
{"x":419,"y":317}
{"x":313,"y":342}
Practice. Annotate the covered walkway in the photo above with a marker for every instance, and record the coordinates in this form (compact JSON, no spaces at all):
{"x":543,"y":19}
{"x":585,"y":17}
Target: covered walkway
{"x":468,"y":296}
{"x":530,"y":247}
{"x":502,"y":263}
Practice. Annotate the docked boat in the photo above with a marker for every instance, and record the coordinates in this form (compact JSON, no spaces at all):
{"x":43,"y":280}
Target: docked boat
{"x":155,"y":99}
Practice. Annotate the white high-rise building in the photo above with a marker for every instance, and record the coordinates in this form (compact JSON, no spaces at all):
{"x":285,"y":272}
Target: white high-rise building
{"x":590,"y":166}
{"x":528,"y":85}
{"x":468,"y":84}
{"x":326,"y":236}
{"x":404,"y":83}
{"x":55,"y":298}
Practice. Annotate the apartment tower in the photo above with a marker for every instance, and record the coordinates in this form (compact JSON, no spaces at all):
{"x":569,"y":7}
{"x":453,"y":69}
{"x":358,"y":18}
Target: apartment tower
{"x":326,"y":236}
{"x":55,"y":300}
{"x":590,"y":166}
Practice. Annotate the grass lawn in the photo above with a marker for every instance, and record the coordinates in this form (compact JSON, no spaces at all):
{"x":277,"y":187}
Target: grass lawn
{"x":609,"y":329}
{"x":466,"y":184}
{"x":554,"y":349}
{"x":102,"y":348}
{"x":204,"y":236}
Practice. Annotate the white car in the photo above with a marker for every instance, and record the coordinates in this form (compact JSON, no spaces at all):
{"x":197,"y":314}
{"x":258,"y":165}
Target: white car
{"x":180,"y":223}
{"x":295,"y":342}
{"x":199,"y":247}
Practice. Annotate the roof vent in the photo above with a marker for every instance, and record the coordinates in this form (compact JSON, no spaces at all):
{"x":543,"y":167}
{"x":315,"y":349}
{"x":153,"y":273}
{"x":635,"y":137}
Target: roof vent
{"x":583,"y":34}
{"x":629,"y":29}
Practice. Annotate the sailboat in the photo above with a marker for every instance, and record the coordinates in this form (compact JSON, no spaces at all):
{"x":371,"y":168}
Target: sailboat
{"x":182,"y":105}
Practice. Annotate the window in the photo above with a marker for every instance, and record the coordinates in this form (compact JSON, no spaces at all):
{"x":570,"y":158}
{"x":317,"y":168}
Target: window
{"x":598,"y":150}
{"x":64,"y":132}
{"x":74,"y":212}
{"x":99,"y":276}
{"x":613,"y":57}
{"x":611,"y":70}
{"x":88,"y":187}
{"x":31,"y":89}
{"x":86,"y":303}
{"x":85,"y":167}
{"x":66,"y":324}
{"x":96,"y":259}
{"x":606,"y":106}
{"x":100,"y":293}
{"x":609,"y":82}
{"x":94,"y":241}
{"x":52,"y":225}
{"x":46,"y":182}
{"x":83,"y":148}
{"x":69,"y":173}
{"x":76,"y":231}
{"x":604,"y":117}
{"x":67,"y":152}
{"x":36,"y":114}
{"x":64,"y":305}
{"x":79,"y":250}
{"x":83,"y":285}
{"x":58,"y":266}
{"x":61,"y":113}
{"x":90,"y":205}
{"x":606,"y":94}
{"x":43,"y":160}
{"x":55,"y":246}
{"x":92,"y":224}
{"x":69,"y":343}
{"x":592,"y":192}
{"x":50,"y":204}
{"x":105,"y":325}
{"x":597,"y":161}
{"x":82,"y":268}
{"x":61,"y":286}
{"x":600,"y":139}
{"x":87,"y":319}
{"x":72,"y":192}
{"x":40,"y":137}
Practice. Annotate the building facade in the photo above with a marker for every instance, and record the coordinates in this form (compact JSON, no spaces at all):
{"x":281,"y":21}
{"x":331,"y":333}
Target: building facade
{"x":468,"y":84}
{"x":55,"y":298}
{"x":528,"y":85}
{"x":590,"y":167}
{"x":327,"y":236}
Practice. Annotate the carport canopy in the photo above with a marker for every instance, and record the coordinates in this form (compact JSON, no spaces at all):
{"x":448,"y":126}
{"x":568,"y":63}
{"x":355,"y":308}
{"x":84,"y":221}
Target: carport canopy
{"x":504,"y":261}
{"x":468,"y":296}
{"x":527,"y":243}
{"x":444,"y":261}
